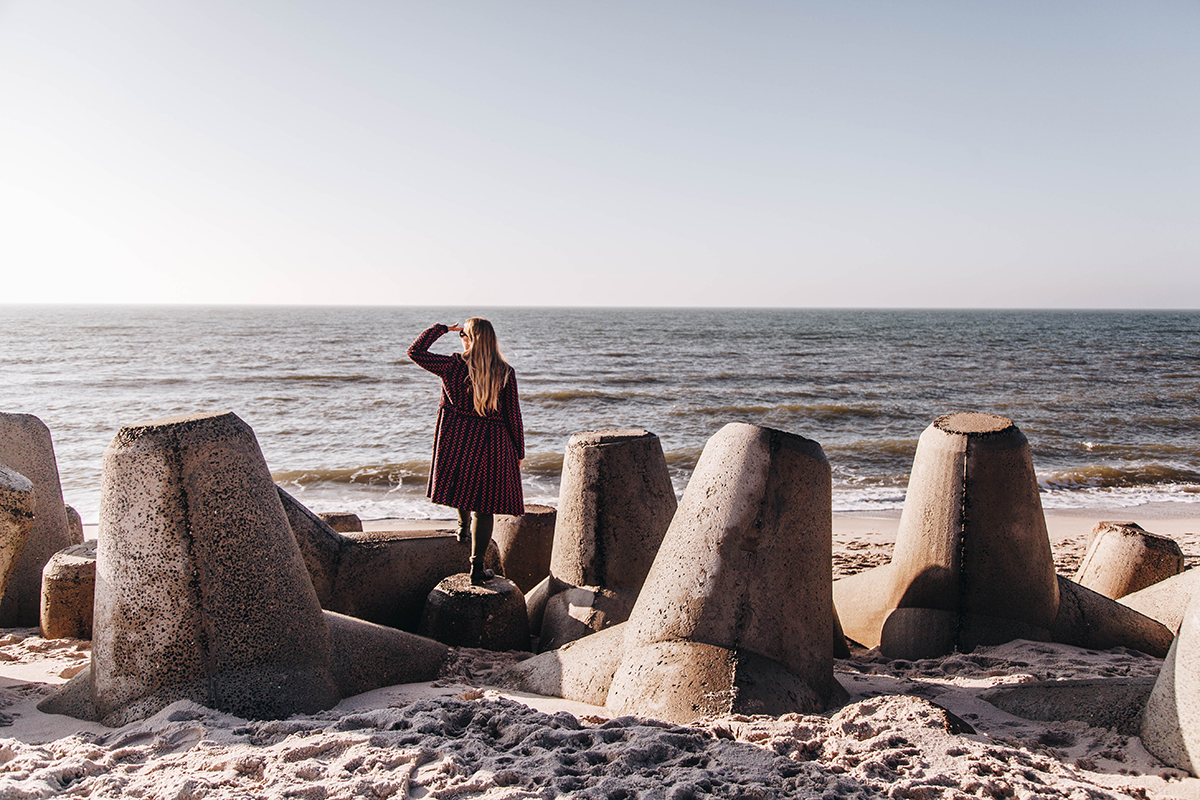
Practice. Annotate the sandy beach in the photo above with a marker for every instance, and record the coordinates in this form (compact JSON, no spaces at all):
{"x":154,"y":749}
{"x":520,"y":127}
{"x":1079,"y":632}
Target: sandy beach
{"x":922,"y":729}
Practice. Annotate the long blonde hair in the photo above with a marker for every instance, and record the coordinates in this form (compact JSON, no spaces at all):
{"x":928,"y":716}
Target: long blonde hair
{"x":486,"y":368}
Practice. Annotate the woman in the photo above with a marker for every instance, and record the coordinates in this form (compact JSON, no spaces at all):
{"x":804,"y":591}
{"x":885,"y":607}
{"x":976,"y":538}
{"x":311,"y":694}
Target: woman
{"x":479,"y":443}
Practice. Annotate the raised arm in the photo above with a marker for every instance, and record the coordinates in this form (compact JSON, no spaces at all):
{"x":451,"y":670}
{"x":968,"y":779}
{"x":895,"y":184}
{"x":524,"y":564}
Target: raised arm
{"x":510,"y":405}
{"x":419,"y":350}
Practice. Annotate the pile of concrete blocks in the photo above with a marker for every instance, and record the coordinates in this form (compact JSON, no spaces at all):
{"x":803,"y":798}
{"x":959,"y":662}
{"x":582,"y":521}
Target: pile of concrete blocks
{"x":736,"y":613}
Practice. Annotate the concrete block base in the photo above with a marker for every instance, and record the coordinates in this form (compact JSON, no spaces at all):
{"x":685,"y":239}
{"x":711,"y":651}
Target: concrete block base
{"x":915,"y":633}
{"x":581,"y":671}
{"x":1166,"y":601}
{"x":1091,"y":620}
{"x":681,"y":681}
{"x":491,"y":616}
{"x":69,"y":592}
{"x":367,"y":656}
{"x":579,"y":611}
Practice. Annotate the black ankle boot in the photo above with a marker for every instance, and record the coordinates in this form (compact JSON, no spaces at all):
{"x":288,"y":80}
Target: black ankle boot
{"x":479,"y":575}
{"x":480,"y":537}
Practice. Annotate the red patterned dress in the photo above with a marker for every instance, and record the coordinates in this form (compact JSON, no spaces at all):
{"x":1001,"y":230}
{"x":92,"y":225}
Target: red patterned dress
{"x":474,"y":458}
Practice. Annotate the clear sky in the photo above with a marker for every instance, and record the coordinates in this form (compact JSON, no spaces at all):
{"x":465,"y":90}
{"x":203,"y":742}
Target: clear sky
{"x":928,"y":154}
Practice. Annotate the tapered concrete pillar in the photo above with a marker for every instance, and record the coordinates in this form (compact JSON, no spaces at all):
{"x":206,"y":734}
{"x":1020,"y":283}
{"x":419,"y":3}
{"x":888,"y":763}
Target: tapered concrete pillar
{"x":736,"y":615}
{"x":201,"y":592}
{"x":26,"y":448}
{"x":1171,"y":721}
{"x":525,"y":544}
{"x":16,"y":520}
{"x":69,"y":592}
{"x":972,"y":563}
{"x":615,"y":503}
{"x":1124,"y":558}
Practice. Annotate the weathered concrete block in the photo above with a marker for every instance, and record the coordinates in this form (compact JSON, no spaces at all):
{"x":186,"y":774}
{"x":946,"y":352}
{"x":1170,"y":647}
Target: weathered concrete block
{"x":491,"y":616}
{"x":1123,"y":558}
{"x":68,"y":592}
{"x":201,"y":593}
{"x":972,"y":542}
{"x":17,"y":503}
{"x":26,"y":448}
{"x":382,"y":577}
{"x":615,"y":503}
{"x":1171,"y":722}
{"x":342,"y":521}
{"x":74,"y":525}
{"x":736,"y":613}
{"x":367,"y":656}
{"x":741,"y":591}
{"x":972,"y":563}
{"x":525,"y":544}
{"x":581,"y":670}
{"x":1166,"y":601}
{"x":578,"y":611}
{"x":1089,"y":619}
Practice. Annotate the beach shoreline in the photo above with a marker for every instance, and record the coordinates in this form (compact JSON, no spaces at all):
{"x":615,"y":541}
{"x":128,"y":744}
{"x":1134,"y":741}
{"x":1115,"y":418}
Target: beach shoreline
{"x":894,"y":705}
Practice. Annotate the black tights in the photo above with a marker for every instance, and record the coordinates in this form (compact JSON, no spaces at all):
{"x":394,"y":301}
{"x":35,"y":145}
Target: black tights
{"x":481,"y":535}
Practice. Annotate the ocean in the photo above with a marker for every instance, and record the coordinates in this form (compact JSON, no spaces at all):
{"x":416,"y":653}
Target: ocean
{"x":1107,"y":399}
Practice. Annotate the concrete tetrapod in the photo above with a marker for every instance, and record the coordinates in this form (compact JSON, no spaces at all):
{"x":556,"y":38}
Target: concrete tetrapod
{"x":201,"y":592}
{"x":736,"y":615}
{"x":615,"y":503}
{"x":1171,"y":721}
{"x":1123,"y":558}
{"x":972,"y":563}
{"x":16,"y":520}
{"x":26,"y":448}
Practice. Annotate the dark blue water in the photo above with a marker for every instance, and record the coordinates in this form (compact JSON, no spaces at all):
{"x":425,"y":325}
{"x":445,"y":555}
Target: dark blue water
{"x":1107,"y":399}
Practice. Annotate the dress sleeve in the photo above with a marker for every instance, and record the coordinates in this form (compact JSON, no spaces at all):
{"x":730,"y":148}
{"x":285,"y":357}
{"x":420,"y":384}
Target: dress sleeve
{"x":419,"y":351}
{"x":510,"y":405}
